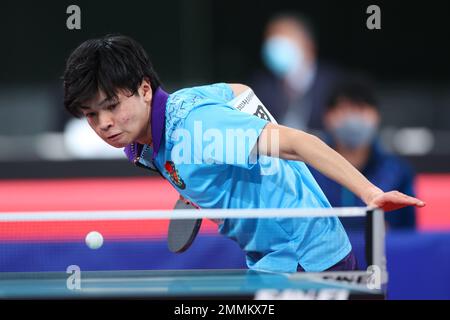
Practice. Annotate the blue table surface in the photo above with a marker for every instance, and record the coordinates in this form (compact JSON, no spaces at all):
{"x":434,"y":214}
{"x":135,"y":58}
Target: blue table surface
{"x":161,"y":283}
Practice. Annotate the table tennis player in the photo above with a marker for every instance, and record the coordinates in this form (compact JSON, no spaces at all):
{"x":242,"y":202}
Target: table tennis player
{"x":111,"y":82}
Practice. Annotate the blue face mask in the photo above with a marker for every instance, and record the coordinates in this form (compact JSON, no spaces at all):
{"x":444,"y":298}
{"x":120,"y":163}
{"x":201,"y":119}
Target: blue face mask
{"x":281,"y":55}
{"x":354,"y":132}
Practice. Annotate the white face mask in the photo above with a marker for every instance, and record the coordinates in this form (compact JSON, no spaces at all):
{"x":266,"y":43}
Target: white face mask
{"x":282,"y":56}
{"x":355,"y":131}
{"x":287,"y":60}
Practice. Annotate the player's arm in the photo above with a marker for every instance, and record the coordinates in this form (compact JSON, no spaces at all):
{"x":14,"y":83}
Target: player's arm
{"x":291,"y":144}
{"x":238,"y":88}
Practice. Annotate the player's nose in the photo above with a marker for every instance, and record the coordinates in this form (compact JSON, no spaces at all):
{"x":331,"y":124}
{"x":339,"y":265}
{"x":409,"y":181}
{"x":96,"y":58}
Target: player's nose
{"x":105,"y":121}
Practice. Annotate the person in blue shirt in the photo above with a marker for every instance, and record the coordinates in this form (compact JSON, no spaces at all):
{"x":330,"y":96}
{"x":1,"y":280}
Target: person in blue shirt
{"x":351,"y":122}
{"x":218,"y":154}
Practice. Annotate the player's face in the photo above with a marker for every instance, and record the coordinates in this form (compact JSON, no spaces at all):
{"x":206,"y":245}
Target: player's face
{"x":123,"y":119}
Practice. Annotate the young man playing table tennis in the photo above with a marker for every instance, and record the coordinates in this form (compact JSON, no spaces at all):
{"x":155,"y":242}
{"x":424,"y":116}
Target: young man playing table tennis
{"x":186,"y":137}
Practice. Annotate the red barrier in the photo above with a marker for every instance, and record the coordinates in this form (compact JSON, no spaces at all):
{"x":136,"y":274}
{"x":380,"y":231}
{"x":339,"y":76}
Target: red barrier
{"x":434,"y":189}
{"x":146,"y":194}
{"x":88,"y":194}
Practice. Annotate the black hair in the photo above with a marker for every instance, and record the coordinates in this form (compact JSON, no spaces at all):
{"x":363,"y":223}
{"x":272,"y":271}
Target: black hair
{"x":302,"y":22}
{"x":358,"y":90}
{"x":105,"y":64}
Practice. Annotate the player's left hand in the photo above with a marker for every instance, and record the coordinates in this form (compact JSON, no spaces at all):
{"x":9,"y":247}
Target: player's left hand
{"x":393,"y":200}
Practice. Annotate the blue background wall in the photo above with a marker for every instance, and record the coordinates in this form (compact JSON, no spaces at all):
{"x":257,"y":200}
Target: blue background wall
{"x":418,"y":263}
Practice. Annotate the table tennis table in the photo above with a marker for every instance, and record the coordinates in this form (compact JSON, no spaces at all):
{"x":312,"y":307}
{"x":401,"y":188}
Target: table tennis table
{"x":187,"y":284}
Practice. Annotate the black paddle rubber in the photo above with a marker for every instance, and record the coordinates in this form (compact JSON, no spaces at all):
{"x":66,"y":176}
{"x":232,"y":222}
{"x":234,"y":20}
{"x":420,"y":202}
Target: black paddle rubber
{"x":182,"y":232}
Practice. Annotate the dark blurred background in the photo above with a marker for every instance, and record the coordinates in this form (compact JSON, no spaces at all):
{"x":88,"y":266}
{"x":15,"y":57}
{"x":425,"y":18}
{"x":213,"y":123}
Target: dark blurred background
{"x":202,"y":41}
{"x":48,"y":161}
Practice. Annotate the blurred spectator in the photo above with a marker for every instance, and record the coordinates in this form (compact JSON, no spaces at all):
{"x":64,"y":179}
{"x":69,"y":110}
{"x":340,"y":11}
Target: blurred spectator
{"x":295,"y":84}
{"x":351,"y":121}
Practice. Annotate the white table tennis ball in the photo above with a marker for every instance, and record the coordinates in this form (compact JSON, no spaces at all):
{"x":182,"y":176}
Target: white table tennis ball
{"x":94,"y":240}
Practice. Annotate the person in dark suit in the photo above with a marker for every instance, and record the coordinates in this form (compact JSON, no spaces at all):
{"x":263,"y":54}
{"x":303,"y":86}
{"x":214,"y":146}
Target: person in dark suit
{"x":295,"y":83}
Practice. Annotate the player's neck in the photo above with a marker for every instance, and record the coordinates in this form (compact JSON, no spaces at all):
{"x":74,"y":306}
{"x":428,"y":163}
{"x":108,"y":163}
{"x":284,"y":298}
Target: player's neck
{"x":146,"y":138}
{"x":146,"y":135}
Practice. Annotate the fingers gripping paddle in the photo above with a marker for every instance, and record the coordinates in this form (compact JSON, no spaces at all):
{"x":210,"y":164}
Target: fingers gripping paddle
{"x":182,"y":232}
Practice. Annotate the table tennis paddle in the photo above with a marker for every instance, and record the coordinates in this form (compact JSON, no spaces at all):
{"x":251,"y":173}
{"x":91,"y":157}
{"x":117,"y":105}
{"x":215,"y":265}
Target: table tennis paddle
{"x":182,"y":232}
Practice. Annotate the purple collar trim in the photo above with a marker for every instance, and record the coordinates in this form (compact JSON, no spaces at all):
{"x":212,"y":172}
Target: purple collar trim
{"x":159,"y":102}
{"x":158,"y":111}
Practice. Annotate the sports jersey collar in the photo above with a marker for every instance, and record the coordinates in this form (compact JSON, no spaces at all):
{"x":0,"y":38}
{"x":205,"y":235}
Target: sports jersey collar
{"x":158,"y":111}
{"x":158,"y":118}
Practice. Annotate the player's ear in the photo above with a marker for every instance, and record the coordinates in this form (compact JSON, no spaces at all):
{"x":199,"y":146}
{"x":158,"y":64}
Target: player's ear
{"x":146,"y":90}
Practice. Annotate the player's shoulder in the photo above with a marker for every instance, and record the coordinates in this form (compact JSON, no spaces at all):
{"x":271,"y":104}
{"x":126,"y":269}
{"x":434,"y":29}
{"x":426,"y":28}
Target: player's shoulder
{"x":220,"y":91}
{"x":182,"y":102}
{"x":193,"y":101}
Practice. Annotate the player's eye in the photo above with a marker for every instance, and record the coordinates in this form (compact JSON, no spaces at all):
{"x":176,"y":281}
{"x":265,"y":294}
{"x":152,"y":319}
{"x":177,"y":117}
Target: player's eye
{"x":90,"y":114}
{"x":111,"y":107}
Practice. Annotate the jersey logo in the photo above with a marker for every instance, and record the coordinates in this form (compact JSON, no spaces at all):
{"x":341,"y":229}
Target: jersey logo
{"x":174,"y":176}
{"x":261,"y":113}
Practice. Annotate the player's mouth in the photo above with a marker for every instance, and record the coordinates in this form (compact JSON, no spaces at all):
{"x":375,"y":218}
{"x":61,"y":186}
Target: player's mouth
{"x":114,"y":137}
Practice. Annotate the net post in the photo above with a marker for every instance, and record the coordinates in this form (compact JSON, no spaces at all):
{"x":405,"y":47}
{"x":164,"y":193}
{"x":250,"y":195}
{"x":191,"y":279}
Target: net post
{"x":369,"y":237}
{"x":375,"y":234}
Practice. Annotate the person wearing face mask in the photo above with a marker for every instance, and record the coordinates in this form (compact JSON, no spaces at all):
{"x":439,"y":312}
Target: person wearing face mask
{"x":351,"y":122}
{"x":295,"y":83}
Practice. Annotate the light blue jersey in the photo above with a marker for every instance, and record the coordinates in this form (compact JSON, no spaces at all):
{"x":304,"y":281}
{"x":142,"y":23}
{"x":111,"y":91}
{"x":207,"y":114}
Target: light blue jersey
{"x":207,"y":153}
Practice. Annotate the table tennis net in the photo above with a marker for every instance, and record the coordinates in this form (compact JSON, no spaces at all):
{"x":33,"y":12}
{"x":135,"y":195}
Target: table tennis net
{"x":137,"y":239}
